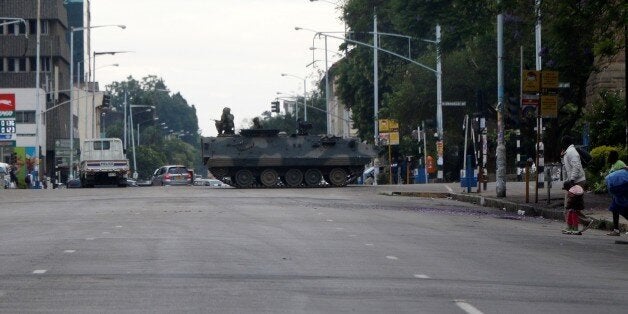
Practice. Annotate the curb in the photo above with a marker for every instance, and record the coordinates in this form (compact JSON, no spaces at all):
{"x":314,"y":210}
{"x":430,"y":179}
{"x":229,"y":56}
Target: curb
{"x":513,"y":207}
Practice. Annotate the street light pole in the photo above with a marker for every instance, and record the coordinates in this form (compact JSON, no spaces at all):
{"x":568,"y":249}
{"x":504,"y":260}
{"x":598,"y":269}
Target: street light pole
{"x":375,"y":84}
{"x":94,"y":79}
{"x":132,"y":135}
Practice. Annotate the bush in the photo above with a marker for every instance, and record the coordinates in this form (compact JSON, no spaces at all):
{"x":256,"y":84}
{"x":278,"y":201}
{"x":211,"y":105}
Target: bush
{"x":598,"y":168}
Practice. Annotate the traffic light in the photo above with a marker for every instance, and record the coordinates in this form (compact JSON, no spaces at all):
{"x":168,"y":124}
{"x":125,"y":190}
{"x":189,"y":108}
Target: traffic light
{"x":274,"y":106}
{"x":106,"y":100}
{"x":514,"y":112}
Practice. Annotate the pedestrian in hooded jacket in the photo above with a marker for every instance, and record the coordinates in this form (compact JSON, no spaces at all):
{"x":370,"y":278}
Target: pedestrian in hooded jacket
{"x":574,"y":176}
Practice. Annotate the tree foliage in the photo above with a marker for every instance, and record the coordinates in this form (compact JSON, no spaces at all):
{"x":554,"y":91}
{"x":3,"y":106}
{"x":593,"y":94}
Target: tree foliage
{"x":158,"y":145}
{"x":575,"y":33}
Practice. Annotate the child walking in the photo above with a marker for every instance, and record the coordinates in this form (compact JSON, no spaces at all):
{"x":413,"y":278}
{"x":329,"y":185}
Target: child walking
{"x":575,"y":205}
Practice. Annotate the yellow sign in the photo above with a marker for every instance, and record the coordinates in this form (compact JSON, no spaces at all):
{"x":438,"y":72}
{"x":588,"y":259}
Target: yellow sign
{"x":388,"y":125}
{"x":549,"y":79}
{"x":394,"y":138}
{"x":531,"y":81}
{"x":389,"y":138}
{"x":549,"y":106}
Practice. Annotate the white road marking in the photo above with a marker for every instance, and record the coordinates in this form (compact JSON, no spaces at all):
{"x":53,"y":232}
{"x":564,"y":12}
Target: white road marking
{"x":394,"y":258}
{"x":90,"y":239}
{"x":340,"y":228}
{"x":421,"y":276}
{"x":353,"y":235}
{"x":470,"y":309}
{"x":69,"y":251}
{"x":369,"y":244}
{"x":106,"y":232}
{"x":330,"y":220}
{"x":39,"y":271}
{"x":449,"y":189}
{"x":118,"y":226}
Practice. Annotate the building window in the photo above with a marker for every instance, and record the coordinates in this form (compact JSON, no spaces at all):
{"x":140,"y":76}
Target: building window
{"x":25,"y":116}
{"x":22,"y":64}
{"x":32,"y":27}
{"x":11,"y":64}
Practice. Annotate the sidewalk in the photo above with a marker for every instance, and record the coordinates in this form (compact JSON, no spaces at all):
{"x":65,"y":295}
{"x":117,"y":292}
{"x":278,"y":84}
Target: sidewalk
{"x":596,"y":205}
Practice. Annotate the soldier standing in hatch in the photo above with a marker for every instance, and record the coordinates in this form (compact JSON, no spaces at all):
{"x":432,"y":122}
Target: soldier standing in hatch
{"x":256,"y":123}
{"x":225,"y":124}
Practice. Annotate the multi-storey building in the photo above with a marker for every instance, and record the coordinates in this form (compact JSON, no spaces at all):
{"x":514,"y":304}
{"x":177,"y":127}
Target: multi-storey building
{"x":18,"y":65}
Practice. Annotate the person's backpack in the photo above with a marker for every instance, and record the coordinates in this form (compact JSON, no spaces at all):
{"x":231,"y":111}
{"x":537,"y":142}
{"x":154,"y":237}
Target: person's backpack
{"x":585,"y":157}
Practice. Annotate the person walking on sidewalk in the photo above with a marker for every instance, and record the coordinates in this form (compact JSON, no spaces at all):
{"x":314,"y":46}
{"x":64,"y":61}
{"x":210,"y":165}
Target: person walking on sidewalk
{"x":575,"y":204}
{"x":617,"y":184}
{"x":574,"y":176}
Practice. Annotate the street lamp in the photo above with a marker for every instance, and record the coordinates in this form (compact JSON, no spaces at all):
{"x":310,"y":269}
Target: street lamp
{"x":375,"y":46}
{"x":304,"y":94}
{"x":138,"y":127}
{"x":125,"y":110}
{"x":108,"y":65}
{"x":132,"y":137}
{"x":94,"y":80}
{"x":72,"y":30}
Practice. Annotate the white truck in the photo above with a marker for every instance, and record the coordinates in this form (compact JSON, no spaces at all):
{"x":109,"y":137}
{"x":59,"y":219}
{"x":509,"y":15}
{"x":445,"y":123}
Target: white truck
{"x":103,"y":161}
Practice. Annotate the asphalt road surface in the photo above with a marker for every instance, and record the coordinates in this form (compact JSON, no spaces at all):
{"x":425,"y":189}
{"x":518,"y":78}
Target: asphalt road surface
{"x":348,"y":250}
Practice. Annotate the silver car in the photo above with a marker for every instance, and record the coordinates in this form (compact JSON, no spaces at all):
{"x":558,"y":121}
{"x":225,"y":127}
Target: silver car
{"x":172,"y":175}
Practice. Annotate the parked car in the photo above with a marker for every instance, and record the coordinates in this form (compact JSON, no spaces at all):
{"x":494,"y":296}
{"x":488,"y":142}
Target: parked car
{"x":172,"y":175}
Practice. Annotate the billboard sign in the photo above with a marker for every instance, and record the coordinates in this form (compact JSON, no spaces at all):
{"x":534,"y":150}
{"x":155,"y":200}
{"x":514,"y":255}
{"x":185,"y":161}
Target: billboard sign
{"x":7,"y":105}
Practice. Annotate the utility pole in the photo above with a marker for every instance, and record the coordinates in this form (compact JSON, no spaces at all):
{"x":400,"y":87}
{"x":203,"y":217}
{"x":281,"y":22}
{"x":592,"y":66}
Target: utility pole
{"x":440,"y":162}
{"x":501,"y":146}
{"x":540,"y":160}
{"x":375,"y":83}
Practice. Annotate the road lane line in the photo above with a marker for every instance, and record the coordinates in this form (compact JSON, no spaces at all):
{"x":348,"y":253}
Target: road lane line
{"x":368,"y":244}
{"x":394,"y":258}
{"x":90,"y":239}
{"x":69,"y":251}
{"x":39,"y":271}
{"x":330,"y":220}
{"x":449,"y":189}
{"x":470,"y":309}
{"x":421,"y":276}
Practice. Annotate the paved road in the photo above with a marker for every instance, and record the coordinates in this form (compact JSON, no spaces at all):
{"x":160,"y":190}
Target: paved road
{"x":196,"y":249}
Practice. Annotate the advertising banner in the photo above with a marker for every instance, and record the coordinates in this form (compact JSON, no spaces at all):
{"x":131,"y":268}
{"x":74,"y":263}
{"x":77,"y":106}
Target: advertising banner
{"x":26,"y":164}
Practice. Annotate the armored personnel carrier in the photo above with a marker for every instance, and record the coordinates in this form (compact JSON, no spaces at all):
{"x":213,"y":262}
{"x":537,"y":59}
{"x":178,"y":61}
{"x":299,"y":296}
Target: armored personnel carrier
{"x":264,"y":158}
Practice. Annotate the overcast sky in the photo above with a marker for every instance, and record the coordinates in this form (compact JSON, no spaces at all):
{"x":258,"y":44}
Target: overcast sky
{"x":216,"y":53}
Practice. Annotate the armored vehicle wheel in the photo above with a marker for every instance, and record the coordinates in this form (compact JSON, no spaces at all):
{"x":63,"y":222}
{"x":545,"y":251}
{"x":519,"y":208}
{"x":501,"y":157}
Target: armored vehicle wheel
{"x":269,"y":177}
{"x":293,"y":178}
{"x":244,"y":178}
{"x":338,"y":177}
{"x":313,"y":177}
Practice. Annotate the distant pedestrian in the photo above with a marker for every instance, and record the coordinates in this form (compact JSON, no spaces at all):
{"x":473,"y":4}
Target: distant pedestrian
{"x":13,"y":177}
{"x":574,"y":176}
{"x":617,"y":185}
{"x":27,"y":180}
